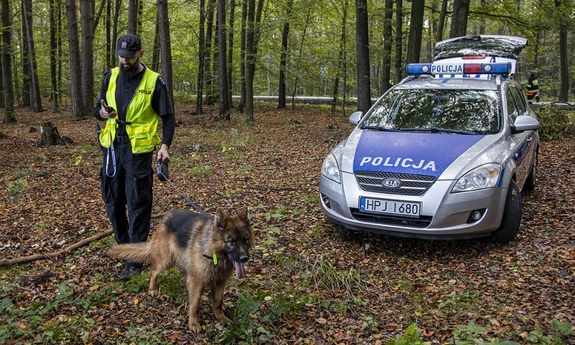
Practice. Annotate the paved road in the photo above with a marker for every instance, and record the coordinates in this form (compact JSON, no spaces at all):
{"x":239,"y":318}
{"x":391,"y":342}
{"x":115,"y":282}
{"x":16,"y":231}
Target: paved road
{"x":352,"y":100}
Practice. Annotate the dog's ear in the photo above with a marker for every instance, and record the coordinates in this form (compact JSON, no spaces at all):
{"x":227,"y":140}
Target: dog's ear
{"x":243,"y":215}
{"x":221,"y":216}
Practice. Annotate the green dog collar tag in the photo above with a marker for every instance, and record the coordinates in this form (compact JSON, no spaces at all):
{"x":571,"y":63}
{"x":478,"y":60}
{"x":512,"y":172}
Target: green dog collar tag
{"x":215,"y":257}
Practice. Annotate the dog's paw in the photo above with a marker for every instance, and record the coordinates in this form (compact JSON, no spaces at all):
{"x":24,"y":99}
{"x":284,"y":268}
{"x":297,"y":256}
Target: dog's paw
{"x":223,"y":317}
{"x":194,"y":326}
{"x":154,"y":293}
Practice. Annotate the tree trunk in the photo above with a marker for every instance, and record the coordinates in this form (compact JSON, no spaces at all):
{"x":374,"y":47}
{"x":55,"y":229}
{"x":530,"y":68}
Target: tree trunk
{"x":59,"y":49}
{"x":214,"y":65}
{"x":166,"y":46}
{"x":133,"y":17}
{"x":75,"y":63}
{"x":231,"y":51}
{"x":284,"y":57}
{"x":7,"y":64}
{"x":2,"y":83}
{"x":441,"y":22}
{"x":156,"y":49}
{"x":223,"y":64}
{"x":415,"y":31}
{"x":300,"y":52}
{"x":243,"y":60}
{"x":563,"y":51}
{"x":34,"y":83}
{"x":201,"y":58}
{"x":399,"y":70}
{"x":55,"y":100}
{"x":208,"y":77}
{"x":341,"y":63}
{"x":26,"y":87}
{"x":387,"y":46}
{"x":115,"y":13}
{"x":254,"y":19}
{"x":459,"y":18}
{"x":99,"y":15}
{"x":87,"y":67}
{"x":250,"y":60}
{"x":110,"y":49}
{"x":362,"y":53}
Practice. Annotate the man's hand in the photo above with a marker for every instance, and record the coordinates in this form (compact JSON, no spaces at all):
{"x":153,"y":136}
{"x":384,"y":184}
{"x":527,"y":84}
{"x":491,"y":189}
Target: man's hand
{"x":163,"y":153}
{"x":104,"y":111}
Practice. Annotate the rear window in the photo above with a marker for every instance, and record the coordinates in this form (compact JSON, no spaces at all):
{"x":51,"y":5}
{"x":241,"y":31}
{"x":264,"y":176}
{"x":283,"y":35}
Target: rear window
{"x":475,"y":111}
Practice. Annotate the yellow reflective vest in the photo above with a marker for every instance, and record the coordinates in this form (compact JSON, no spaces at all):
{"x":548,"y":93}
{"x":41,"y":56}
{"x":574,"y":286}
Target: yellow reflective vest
{"x":141,"y":119}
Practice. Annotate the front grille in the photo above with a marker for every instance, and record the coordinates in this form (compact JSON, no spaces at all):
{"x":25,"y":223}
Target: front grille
{"x":421,"y":222}
{"x":411,"y":184}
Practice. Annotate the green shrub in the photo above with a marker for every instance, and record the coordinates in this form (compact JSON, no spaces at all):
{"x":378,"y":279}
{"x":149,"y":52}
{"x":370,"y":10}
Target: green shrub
{"x":557,"y":123}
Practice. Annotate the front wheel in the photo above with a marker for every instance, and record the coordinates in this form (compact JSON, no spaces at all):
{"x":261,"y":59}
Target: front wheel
{"x":511,"y":217}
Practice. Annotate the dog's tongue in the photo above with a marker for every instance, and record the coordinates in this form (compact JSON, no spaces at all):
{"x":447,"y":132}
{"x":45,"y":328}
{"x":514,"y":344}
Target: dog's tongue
{"x":240,"y":270}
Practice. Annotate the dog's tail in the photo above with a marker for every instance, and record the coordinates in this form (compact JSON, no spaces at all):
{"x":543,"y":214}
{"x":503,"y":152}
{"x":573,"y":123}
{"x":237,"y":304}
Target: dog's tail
{"x":136,"y":252}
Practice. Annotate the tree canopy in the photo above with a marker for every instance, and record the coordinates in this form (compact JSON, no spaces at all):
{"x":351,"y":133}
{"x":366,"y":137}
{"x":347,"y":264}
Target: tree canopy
{"x":313,"y":59}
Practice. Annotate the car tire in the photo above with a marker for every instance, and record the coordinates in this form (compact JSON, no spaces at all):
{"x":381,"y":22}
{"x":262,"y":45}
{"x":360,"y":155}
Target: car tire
{"x":511,"y":217}
{"x":531,"y":179}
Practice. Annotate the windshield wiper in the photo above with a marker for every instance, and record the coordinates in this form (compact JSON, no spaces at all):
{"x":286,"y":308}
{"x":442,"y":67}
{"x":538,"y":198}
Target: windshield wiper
{"x":381,"y":128}
{"x":438,"y":130}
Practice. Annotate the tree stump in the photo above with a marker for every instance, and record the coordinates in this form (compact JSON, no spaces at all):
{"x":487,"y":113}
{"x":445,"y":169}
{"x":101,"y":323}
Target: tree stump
{"x":50,"y":135}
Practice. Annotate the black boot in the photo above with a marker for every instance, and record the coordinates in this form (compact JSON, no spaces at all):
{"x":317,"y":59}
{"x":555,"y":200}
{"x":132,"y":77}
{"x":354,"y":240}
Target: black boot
{"x":130,"y":269}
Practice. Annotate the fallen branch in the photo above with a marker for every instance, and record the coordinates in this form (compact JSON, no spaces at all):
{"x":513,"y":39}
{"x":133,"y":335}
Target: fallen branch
{"x":30,"y":258}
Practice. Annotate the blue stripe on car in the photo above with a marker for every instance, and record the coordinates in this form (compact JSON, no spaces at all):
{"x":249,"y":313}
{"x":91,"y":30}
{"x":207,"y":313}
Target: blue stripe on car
{"x":415,"y":153}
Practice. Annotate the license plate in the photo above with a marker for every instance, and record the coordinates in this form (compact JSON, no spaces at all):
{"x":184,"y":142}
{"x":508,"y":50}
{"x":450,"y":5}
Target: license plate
{"x":393,"y":207}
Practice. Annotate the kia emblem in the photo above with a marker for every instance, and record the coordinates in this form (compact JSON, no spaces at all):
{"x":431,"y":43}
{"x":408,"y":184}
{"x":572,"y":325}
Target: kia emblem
{"x":391,"y":182}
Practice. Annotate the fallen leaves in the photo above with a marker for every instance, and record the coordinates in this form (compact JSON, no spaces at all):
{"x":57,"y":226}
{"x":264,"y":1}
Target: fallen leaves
{"x":371,"y":287}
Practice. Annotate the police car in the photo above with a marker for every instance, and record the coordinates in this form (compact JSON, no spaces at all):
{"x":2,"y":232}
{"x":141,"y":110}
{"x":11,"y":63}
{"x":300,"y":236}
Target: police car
{"x":442,"y":155}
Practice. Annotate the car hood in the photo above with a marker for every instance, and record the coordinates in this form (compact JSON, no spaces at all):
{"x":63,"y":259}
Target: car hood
{"x":444,"y":156}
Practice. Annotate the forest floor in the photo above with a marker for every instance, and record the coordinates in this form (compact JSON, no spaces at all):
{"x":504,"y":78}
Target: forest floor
{"x":309,"y":282}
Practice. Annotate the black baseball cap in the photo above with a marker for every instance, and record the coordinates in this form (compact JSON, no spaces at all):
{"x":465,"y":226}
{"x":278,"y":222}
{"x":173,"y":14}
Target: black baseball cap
{"x":128,"y":45}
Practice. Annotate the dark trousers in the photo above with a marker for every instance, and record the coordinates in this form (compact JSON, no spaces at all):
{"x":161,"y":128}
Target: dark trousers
{"x":128,"y":194}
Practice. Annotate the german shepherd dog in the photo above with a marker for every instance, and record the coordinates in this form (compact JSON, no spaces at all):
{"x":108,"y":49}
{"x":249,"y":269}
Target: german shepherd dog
{"x":207,"y":250}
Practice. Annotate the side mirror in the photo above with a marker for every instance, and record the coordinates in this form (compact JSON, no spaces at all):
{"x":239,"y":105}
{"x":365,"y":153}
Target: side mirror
{"x":524,"y":123}
{"x":355,"y":117}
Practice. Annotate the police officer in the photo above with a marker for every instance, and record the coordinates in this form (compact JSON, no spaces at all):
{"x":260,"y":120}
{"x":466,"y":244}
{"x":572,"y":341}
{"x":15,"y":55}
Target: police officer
{"x":132,"y":100}
{"x":533,"y":88}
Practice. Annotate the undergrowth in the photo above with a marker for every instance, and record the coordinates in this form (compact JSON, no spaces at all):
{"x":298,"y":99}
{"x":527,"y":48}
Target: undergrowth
{"x":557,"y":123}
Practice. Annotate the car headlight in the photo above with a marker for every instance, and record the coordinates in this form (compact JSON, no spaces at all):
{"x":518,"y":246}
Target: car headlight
{"x":485,"y":176}
{"x":330,"y":168}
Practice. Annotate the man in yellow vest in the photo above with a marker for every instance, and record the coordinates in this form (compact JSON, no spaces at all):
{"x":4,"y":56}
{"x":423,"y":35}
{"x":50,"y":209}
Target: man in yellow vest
{"x":532,"y":88}
{"x":132,"y":100}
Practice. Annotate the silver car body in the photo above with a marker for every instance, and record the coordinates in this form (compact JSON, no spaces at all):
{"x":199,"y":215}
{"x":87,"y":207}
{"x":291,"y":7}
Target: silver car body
{"x":401,"y":182}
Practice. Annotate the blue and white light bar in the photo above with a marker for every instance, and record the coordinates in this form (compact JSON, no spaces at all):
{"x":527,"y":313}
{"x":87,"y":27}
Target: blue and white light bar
{"x":415,"y":69}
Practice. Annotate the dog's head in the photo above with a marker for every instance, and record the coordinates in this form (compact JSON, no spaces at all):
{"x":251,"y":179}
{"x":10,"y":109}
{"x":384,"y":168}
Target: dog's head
{"x":233,"y":236}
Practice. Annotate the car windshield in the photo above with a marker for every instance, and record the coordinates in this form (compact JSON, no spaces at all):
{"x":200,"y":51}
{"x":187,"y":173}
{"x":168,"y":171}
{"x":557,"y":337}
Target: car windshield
{"x":445,"y":111}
